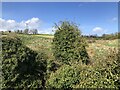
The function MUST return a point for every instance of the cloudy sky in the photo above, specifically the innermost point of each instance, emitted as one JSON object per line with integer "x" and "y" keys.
{"x": 94, "y": 17}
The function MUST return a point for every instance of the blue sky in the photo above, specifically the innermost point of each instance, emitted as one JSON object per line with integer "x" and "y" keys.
{"x": 93, "y": 17}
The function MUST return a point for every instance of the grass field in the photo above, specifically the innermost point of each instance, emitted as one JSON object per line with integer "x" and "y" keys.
{"x": 43, "y": 42}
{"x": 97, "y": 51}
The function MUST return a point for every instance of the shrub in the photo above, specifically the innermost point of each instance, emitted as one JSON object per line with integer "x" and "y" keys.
{"x": 65, "y": 77}
{"x": 21, "y": 67}
{"x": 52, "y": 65}
{"x": 68, "y": 44}
{"x": 104, "y": 74}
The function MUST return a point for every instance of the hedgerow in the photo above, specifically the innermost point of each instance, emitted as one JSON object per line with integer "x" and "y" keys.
{"x": 104, "y": 74}
{"x": 65, "y": 77}
{"x": 22, "y": 67}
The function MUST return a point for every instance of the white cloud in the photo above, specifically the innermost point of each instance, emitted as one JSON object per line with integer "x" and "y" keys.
{"x": 7, "y": 24}
{"x": 98, "y": 30}
{"x": 33, "y": 23}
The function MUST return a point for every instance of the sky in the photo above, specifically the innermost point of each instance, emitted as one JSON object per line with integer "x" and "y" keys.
{"x": 92, "y": 17}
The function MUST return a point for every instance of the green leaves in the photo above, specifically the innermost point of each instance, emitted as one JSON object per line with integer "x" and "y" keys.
{"x": 68, "y": 44}
{"x": 65, "y": 77}
{"x": 22, "y": 67}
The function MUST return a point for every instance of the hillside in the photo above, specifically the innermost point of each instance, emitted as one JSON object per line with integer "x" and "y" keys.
{"x": 43, "y": 42}
{"x": 102, "y": 54}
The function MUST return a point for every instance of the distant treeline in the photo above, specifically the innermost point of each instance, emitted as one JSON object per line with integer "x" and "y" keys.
{"x": 104, "y": 36}
{"x": 26, "y": 31}
{"x": 89, "y": 37}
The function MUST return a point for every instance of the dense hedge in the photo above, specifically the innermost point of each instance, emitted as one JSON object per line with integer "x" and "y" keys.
{"x": 65, "y": 77}
{"x": 22, "y": 67}
{"x": 104, "y": 74}
{"x": 68, "y": 45}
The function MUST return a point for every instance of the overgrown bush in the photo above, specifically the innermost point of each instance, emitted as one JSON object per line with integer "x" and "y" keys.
{"x": 105, "y": 72}
{"x": 22, "y": 67}
{"x": 68, "y": 45}
{"x": 65, "y": 77}
{"x": 52, "y": 66}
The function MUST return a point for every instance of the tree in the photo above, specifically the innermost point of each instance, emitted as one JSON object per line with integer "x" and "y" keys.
{"x": 26, "y": 31}
{"x": 34, "y": 31}
{"x": 9, "y": 31}
{"x": 19, "y": 31}
{"x": 68, "y": 45}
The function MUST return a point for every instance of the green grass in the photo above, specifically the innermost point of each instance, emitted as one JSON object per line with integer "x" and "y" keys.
{"x": 43, "y": 42}
{"x": 34, "y": 40}
{"x": 111, "y": 43}
{"x": 38, "y": 43}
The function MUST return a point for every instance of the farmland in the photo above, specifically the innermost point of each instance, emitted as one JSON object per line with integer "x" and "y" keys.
{"x": 38, "y": 42}
{"x": 102, "y": 54}
{"x": 60, "y": 45}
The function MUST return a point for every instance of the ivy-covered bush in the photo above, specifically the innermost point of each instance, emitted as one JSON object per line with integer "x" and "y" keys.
{"x": 22, "y": 67}
{"x": 68, "y": 45}
{"x": 65, "y": 77}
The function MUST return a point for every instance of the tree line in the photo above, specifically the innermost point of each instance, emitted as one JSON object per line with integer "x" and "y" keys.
{"x": 26, "y": 31}
{"x": 89, "y": 37}
{"x": 104, "y": 36}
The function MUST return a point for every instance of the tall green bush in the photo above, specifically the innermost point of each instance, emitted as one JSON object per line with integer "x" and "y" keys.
{"x": 22, "y": 67}
{"x": 68, "y": 45}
